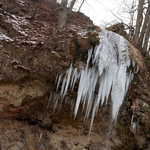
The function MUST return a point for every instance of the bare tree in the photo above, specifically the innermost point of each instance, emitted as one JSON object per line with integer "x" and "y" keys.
{"x": 63, "y": 14}
{"x": 139, "y": 31}
{"x": 64, "y": 11}
{"x": 142, "y": 32}
{"x": 71, "y": 6}
{"x": 81, "y": 5}
{"x": 146, "y": 40}
{"x": 138, "y": 21}
{"x": 131, "y": 23}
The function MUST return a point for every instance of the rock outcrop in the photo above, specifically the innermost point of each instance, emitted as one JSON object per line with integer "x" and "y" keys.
{"x": 32, "y": 52}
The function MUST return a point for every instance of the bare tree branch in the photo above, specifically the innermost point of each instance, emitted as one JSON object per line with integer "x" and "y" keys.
{"x": 71, "y": 6}
{"x": 81, "y": 5}
{"x": 116, "y": 16}
{"x": 144, "y": 26}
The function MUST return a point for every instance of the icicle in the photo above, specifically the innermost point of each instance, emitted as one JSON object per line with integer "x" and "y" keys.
{"x": 40, "y": 143}
{"x": 69, "y": 71}
{"x": 133, "y": 125}
{"x": 132, "y": 119}
{"x": 109, "y": 72}
{"x": 75, "y": 76}
{"x": 40, "y": 138}
{"x": 56, "y": 98}
{"x": 59, "y": 79}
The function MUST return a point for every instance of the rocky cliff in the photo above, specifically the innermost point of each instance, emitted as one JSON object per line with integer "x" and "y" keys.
{"x": 32, "y": 52}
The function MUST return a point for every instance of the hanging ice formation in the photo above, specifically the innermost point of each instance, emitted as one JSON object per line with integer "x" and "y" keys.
{"x": 110, "y": 73}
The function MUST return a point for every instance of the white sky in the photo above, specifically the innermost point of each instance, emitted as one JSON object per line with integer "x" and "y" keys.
{"x": 100, "y": 10}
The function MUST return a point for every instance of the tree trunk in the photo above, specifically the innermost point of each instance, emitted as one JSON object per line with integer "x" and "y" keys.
{"x": 81, "y": 5}
{"x": 147, "y": 35}
{"x": 63, "y": 14}
{"x": 138, "y": 21}
{"x": 71, "y": 6}
{"x": 144, "y": 26}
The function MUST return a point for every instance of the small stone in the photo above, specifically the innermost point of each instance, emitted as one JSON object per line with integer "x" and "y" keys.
{"x": 74, "y": 148}
{"x": 76, "y": 143}
{"x": 117, "y": 142}
{"x": 81, "y": 145}
{"x": 54, "y": 128}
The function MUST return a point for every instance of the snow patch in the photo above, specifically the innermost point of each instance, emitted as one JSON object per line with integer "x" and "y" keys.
{"x": 3, "y": 37}
{"x": 17, "y": 22}
{"x": 21, "y": 2}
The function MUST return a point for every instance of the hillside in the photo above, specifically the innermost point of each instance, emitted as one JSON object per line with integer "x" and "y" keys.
{"x": 33, "y": 51}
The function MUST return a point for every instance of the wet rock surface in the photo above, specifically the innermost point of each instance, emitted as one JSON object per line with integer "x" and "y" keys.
{"x": 32, "y": 53}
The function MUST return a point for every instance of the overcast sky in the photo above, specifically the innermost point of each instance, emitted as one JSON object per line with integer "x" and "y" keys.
{"x": 104, "y": 11}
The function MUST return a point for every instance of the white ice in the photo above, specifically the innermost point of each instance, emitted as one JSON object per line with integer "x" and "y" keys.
{"x": 109, "y": 75}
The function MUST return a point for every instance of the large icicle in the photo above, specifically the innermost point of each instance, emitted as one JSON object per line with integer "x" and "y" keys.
{"x": 109, "y": 75}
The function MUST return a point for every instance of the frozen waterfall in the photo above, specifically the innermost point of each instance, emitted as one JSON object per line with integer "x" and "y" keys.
{"x": 107, "y": 71}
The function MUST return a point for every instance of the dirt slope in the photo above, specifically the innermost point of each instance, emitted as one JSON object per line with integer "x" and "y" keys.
{"x": 32, "y": 52}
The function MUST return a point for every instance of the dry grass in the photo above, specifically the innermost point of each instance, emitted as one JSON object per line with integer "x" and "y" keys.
{"x": 137, "y": 56}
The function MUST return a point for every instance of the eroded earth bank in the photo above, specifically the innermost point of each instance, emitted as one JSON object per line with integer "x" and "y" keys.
{"x": 32, "y": 52}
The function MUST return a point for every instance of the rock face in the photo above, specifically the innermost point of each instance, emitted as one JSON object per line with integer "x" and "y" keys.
{"x": 20, "y": 8}
{"x": 117, "y": 28}
{"x": 32, "y": 53}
